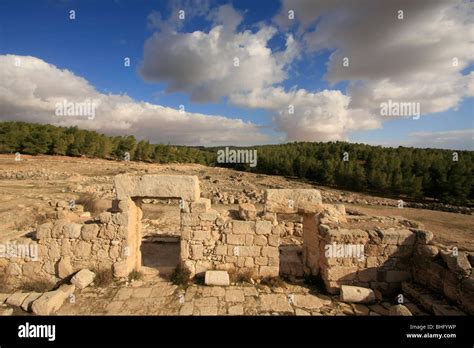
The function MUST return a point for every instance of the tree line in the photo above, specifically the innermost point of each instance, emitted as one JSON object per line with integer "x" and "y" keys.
{"x": 445, "y": 175}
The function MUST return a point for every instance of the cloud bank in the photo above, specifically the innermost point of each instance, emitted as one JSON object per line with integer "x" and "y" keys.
{"x": 30, "y": 89}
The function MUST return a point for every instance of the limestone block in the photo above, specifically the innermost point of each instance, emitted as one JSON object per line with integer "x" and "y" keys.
{"x": 270, "y": 251}
{"x": 263, "y": 227}
{"x": 292, "y": 201}
{"x": 105, "y": 217}
{"x": 274, "y": 240}
{"x": 399, "y": 310}
{"x": 247, "y": 211}
{"x": 51, "y": 301}
{"x": 83, "y": 278}
{"x": 208, "y": 216}
{"x": 17, "y": 298}
{"x": 249, "y": 251}
{"x": 218, "y": 278}
{"x": 64, "y": 267}
{"x": 243, "y": 227}
{"x": 201, "y": 235}
{"x": 356, "y": 294}
{"x": 83, "y": 249}
{"x": 248, "y": 239}
{"x": 221, "y": 250}
{"x": 161, "y": 186}
{"x": 44, "y": 231}
{"x": 72, "y": 230}
{"x": 341, "y": 273}
{"x": 197, "y": 251}
{"x": 389, "y": 236}
{"x": 261, "y": 261}
{"x": 457, "y": 262}
{"x": 28, "y": 301}
{"x": 202, "y": 205}
{"x": 260, "y": 240}
{"x": 307, "y": 301}
{"x": 121, "y": 269}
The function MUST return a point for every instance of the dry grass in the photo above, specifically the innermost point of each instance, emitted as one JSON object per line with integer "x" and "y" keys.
{"x": 241, "y": 276}
{"x": 273, "y": 282}
{"x": 180, "y": 276}
{"x": 90, "y": 202}
{"x": 103, "y": 277}
{"x": 38, "y": 285}
{"x": 135, "y": 275}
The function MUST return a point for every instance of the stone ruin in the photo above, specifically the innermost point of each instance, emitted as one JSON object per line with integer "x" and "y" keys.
{"x": 395, "y": 252}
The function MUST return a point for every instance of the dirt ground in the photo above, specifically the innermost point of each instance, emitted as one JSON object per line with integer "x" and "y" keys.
{"x": 32, "y": 187}
{"x": 449, "y": 229}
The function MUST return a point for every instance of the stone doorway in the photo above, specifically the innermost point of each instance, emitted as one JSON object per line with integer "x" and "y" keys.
{"x": 161, "y": 235}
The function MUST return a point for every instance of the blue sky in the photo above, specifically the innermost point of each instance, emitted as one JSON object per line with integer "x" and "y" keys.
{"x": 94, "y": 45}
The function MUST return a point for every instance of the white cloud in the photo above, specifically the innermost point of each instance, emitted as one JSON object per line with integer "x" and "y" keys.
{"x": 409, "y": 60}
{"x": 30, "y": 92}
{"x": 306, "y": 116}
{"x": 203, "y": 63}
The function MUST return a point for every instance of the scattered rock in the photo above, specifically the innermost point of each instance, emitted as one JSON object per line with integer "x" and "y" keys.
{"x": 356, "y": 294}
{"x": 399, "y": 310}
{"x": 17, "y": 298}
{"x": 247, "y": 211}
{"x": 83, "y": 278}
{"x": 51, "y": 301}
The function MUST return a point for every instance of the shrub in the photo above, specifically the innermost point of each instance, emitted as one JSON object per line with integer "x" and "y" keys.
{"x": 38, "y": 285}
{"x": 135, "y": 275}
{"x": 103, "y": 277}
{"x": 180, "y": 276}
{"x": 242, "y": 276}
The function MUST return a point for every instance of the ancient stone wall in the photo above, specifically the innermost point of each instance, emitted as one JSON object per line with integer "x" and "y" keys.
{"x": 210, "y": 241}
{"x": 65, "y": 247}
{"x": 443, "y": 270}
{"x": 365, "y": 251}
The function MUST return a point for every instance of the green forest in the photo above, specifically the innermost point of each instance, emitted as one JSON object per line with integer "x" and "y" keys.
{"x": 445, "y": 175}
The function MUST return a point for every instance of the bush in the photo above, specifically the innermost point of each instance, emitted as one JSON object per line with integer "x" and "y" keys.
{"x": 135, "y": 275}
{"x": 243, "y": 276}
{"x": 103, "y": 277}
{"x": 38, "y": 285}
{"x": 180, "y": 276}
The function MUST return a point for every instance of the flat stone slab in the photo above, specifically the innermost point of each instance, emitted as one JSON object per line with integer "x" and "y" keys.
{"x": 293, "y": 201}
{"x": 17, "y": 298}
{"x": 219, "y": 278}
{"x": 185, "y": 187}
{"x": 83, "y": 278}
{"x": 51, "y": 301}
{"x": 357, "y": 294}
